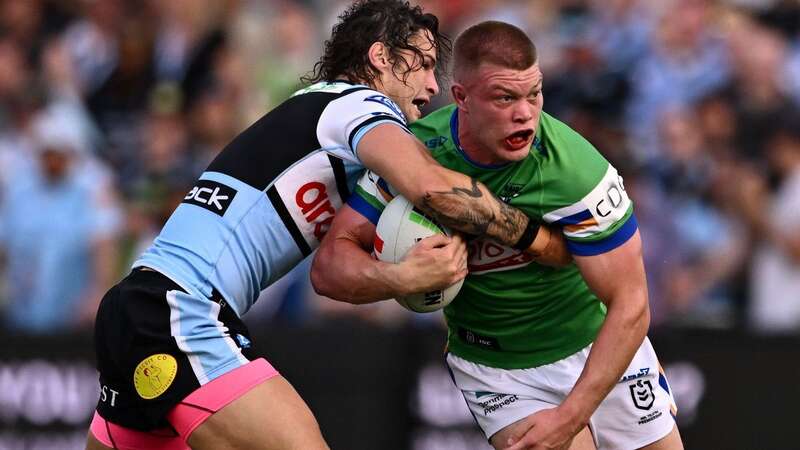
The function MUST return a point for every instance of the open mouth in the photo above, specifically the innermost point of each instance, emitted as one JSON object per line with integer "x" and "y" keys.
{"x": 519, "y": 139}
{"x": 419, "y": 103}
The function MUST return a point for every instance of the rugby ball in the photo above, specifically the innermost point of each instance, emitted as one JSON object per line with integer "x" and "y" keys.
{"x": 400, "y": 227}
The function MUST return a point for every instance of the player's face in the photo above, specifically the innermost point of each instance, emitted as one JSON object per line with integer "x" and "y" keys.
{"x": 413, "y": 83}
{"x": 502, "y": 109}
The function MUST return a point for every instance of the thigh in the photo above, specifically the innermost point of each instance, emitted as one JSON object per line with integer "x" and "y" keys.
{"x": 93, "y": 444}
{"x": 582, "y": 441}
{"x": 639, "y": 409}
{"x": 271, "y": 416}
{"x": 672, "y": 441}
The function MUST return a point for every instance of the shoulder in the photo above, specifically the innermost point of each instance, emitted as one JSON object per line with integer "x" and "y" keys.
{"x": 348, "y": 95}
{"x": 560, "y": 138}
{"x": 571, "y": 166}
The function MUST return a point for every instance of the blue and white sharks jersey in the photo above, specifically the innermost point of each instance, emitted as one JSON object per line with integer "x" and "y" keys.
{"x": 268, "y": 198}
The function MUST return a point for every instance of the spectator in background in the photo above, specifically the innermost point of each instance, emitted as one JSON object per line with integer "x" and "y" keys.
{"x": 57, "y": 230}
{"x": 773, "y": 220}
{"x": 212, "y": 123}
{"x": 759, "y": 95}
{"x": 164, "y": 155}
{"x": 709, "y": 243}
{"x": 19, "y": 100}
{"x": 687, "y": 60}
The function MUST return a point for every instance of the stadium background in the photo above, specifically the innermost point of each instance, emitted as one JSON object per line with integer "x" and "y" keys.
{"x": 122, "y": 103}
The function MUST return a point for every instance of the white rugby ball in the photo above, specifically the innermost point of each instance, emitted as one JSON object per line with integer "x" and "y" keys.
{"x": 400, "y": 227}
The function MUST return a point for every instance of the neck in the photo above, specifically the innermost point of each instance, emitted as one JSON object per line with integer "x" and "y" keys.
{"x": 355, "y": 80}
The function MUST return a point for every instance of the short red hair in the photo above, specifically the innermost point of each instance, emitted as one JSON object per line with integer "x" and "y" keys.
{"x": 492, "y": 42}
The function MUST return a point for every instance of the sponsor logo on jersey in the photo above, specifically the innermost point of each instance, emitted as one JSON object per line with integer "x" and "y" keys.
{"x": 386, "y": 101}
{"x": 154, "y": 375}
{"x": 642, "y": 394}
{"x": 489, "y": 256}
{"x": 314, "y": 203}
{"x": 472, "y": 338}
{"x": 311, "y": 196}
{"x": 615, "y": 196}
{"x": 597, "y": 211}
{"x": 436, "y": 142}
{"x": 210, "y": 195}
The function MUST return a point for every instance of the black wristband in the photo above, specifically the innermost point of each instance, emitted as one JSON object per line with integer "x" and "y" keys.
{"x": 528, "y": 236}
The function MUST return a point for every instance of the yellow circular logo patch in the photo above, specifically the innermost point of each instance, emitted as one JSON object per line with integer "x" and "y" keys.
{"x": 154, "y": 375}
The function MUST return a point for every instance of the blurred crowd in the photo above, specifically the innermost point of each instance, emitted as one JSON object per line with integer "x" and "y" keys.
{"x": 109, "y": 109}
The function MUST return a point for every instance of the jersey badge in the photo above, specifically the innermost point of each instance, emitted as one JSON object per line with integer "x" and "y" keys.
{"x": 154, "y": 375}
{"x": 510, "y": 191}
{"x": 387, "y": 102}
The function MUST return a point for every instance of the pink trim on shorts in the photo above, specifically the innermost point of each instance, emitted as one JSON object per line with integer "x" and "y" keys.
{"x": 219, "y": 392}
{"x": 189, "y": 413}
{"x": 122, "y": 438}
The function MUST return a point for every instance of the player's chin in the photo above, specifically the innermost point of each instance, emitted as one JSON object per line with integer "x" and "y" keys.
{"x": 413, "y": 114}
{"x": 514, "y": 155}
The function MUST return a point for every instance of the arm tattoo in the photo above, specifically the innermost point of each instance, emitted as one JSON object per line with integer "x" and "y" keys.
{"x": 476, "y": 211}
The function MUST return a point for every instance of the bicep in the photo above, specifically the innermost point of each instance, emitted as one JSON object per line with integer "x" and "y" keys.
{"x": 616, "y": 271}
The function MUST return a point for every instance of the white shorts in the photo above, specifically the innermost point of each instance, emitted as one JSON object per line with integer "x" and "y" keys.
{"x": 638, "y": 411}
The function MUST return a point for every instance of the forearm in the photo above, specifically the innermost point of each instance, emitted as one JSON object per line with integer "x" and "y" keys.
{"x": 362, "y": 279}
{"x": 621, "y": 335}
{"x": 454, "y": 199}
{"x": 473, "y": 209}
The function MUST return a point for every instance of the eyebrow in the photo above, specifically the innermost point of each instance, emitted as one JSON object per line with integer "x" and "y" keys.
{"x": 503, "y": 89}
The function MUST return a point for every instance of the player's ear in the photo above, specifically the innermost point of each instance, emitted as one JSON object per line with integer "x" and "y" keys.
{"x": 379, "y": 56}
{"x": 459, "y": 96}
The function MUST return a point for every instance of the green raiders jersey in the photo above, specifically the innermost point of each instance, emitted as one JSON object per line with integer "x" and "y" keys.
{"x": 512, "y": 313}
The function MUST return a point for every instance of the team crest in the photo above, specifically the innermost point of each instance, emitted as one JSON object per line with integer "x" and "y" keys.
{"x": 510, "y": 191}
{"x": 642, "y": 394}
{"x": 154, "y": 375}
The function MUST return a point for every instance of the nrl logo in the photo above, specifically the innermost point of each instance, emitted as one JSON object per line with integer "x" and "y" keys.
{"x": 642, "y": 394}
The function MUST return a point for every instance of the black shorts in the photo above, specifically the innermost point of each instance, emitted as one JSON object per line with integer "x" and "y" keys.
{"x": 156, "y": 343}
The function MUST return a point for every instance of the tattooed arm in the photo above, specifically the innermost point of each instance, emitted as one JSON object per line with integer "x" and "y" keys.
{"x": 475, "y": 211}
{"x": 455, "y": 199}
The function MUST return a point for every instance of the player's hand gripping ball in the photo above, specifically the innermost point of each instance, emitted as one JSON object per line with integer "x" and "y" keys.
{"x": 400, "y": 227}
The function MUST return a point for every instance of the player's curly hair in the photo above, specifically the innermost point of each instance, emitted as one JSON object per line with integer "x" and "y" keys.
{"x": 392, "y": 22}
